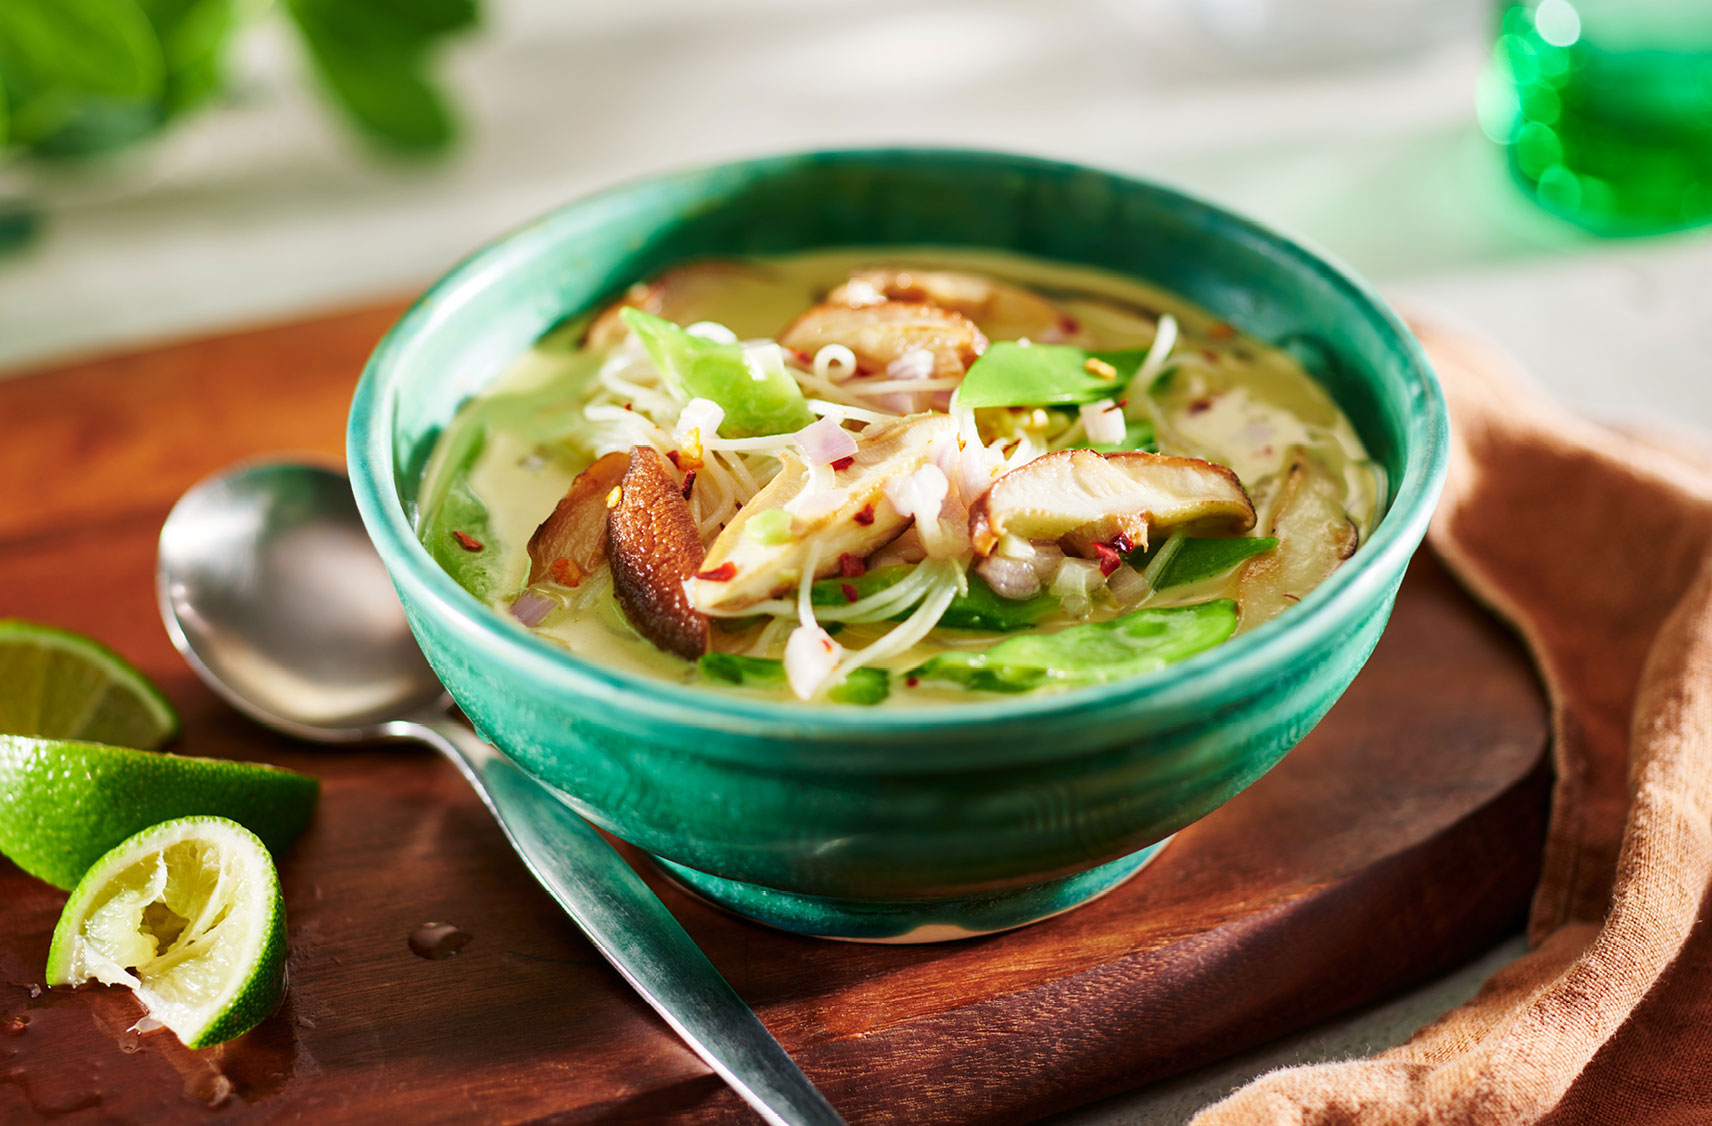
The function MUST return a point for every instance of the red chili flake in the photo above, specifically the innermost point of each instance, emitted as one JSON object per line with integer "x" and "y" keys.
{"x": 851, "y": 566}
{"x": 866, "y": 516}
{"x": 1220, "y": 330}
{"x": 672, "y": 456}
{"x": 844, "y": 463}
{"x": 802, "y": 357}
{"x": 689, "y": 483}
{"x": 1110, "y": 560}
{"x": 1294, "y": 597}
{"x": 723, "y": 573}
{"x": 1121, "y": 403}
{"x": 1209, "y": 355}
{"x": 1068, "y": 324}
{"x": 851, "y": 594}
{"x": 1265, "y": 451}
{"x": 628, "y": 407}
{"x": 467, "y": 541}
{"x": 1205, "y": 402}
{"x": 566, "y": 572}
{"x": 1123, "y": 543}
{"x": 912, "y": 681}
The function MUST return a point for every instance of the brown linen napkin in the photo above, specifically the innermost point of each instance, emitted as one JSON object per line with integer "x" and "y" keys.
{"x": 1594, "y": 545}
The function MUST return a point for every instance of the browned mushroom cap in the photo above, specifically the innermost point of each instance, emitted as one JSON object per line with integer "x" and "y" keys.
{"x": 571, "y": 542}
{"x": 1087, "y": 498}
{"x": 1315, "y": 535}
{"x": 742, "y": 569}
{"x": 879, "y": 334}
{"x": 680, "y": 294}
{"x": 1002, "y": 310}
{"x": 654, "y": 546}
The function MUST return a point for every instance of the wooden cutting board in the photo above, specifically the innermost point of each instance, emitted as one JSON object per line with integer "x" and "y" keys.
{"x": 1400, "y": 838}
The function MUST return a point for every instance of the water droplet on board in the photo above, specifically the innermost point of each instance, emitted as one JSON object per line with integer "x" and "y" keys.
{"x": 436, "y": 941}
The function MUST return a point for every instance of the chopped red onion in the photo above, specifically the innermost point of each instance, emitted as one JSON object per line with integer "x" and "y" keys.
{"x": 532, "y": 607}
{"x": 1009, "y": 578}
{"x": 825, "y": 442}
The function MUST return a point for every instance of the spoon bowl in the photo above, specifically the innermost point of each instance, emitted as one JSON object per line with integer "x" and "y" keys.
{"x": 270, "y": 588}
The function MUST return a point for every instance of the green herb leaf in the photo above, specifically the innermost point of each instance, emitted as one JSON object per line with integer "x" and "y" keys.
{"x": 65, "y": 59}
{"x": 458, "y": 510}
{"x": 1140, "y": 641}
{"x": 1009, "y": 374}
{"x": 1198, "y": 559}
{"x": 703, "y": 369}
{"x": 980, "y": 609}
{"x": 866, "y": 686}
{"x": 374, "y": 55}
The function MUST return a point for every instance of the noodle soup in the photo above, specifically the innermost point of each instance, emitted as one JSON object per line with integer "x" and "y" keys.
{"x": 903, "y": 478}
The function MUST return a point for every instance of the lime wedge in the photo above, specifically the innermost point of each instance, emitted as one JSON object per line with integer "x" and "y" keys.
{"x": 63, "y": 685}
{"x": 64, "y": 804}
{"x": 188, "y": 914}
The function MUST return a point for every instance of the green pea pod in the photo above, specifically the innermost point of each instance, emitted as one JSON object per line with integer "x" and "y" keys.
{"x": 980, "y": 609}
{"x": 1009, "y": 374}
{"x": 755, "y": 404}
{"x": 1198, "y": 559}
{"x": 1140, "y": 641}
{"x": 863, "y": 686}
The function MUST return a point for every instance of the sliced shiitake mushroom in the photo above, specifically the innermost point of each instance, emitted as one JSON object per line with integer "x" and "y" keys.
{"x": 654, "y": 547}
{"x": 1315, "y": 535}
{"x": 571, "y": 542}
{"x": 1083, "y": 498}
{"x": 1002, "y": 310}
{"x": 680, "y": 294}
{"x": 856, "y": 519}
{"x": 879, "y": 334}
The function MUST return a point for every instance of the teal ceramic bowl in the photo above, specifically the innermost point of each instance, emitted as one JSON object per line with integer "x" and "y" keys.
{"x": 912, "y": 824}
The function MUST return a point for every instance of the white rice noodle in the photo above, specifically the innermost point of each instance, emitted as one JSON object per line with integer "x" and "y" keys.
{"x": 845, "y": 413}
{"x": 834, "y": 363}
{"x": 946, "y": 576}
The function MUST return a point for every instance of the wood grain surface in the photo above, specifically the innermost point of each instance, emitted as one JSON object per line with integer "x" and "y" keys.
{"x": 1401, "y": 837}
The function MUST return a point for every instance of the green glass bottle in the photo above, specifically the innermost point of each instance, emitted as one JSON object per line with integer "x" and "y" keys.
{"x": 1605, "y": 107}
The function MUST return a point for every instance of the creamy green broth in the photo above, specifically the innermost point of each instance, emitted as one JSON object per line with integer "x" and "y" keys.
{"x": 1222, "y": 396}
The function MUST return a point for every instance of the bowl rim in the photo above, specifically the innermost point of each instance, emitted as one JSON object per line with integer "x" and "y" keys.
{"x": 1249, "y": 657}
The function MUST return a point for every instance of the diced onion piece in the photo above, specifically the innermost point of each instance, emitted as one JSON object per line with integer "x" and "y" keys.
{"x": 1013, "y": 546}
{"x": 920, "y": 494}
{"x": 1075, "y": 584}
{"x": 532, "y": 607}
{"x": 703, "y": 415}
{"x": 917, "y": 363}
{"x": 811, "y": 657}
{"x": 1127, "y": 585}
{"x": 1103, "y": 421}
{"x": 1009, "y": 578}
{"x": 825, "y": 441}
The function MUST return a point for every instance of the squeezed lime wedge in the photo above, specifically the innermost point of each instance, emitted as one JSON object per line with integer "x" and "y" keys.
{"x": 189, "y": 915}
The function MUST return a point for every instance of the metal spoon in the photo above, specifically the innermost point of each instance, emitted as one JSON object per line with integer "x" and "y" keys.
{"x": 271, "y": 590}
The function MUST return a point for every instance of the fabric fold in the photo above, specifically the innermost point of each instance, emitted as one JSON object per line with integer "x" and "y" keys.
{"x": 1593, "y": 544}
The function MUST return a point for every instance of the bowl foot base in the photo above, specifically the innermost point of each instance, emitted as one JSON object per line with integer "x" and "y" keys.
{"x": 909, "y": 920}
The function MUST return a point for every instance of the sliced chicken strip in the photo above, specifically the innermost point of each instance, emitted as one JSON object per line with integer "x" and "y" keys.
{"x": 833, "y": 513}
{"x": 1002, "y": 311}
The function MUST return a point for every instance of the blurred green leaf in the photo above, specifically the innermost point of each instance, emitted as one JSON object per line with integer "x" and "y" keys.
{"x": 374, "y": 56}
{"x": 61, "y": 58}
{"x": 193, "y": 36}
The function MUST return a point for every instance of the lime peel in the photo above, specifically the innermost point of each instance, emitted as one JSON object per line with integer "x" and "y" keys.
{"x": 64, "y": 804}
{"x": 189, "y": 915}
{"x": 63, "y": 685}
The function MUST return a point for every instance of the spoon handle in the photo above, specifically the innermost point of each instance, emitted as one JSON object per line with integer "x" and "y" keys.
{"x": 632, "y": 929}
